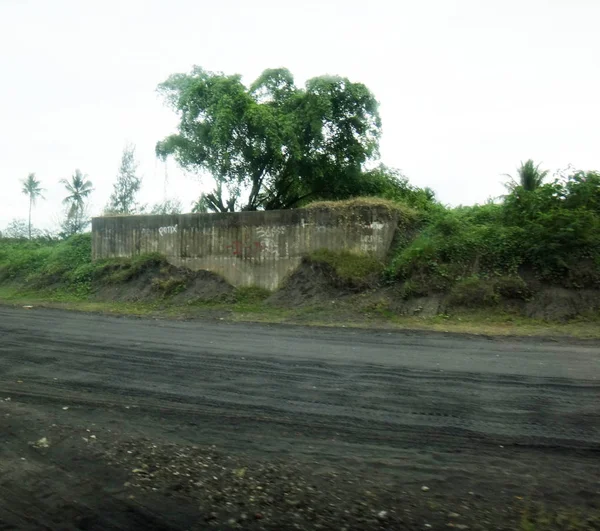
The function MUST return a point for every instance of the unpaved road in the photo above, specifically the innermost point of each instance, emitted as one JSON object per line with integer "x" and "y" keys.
{"x": 154, "y": 424}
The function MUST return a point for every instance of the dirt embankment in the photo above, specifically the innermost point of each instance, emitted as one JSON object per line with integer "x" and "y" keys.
{"x": 317, "y": 284}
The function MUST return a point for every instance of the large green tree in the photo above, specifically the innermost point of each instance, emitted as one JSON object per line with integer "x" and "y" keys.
{"x": 33, "y": 189}
{"x": 123, "y": 199}
{"x": 272, "y": 145}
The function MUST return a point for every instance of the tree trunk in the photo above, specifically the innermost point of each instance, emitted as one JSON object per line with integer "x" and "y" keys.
{"x": 30, "y": 203}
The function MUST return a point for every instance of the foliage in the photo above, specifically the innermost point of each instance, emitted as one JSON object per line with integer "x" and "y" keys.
{"x": 354, "y": 269}
{"x": 552, "y": 231}
{"x": 390, "y": 183}
{"x": 77, "y": 216}
{"x": 250, "y": 295}
{"x": 202, "y": 206}
{"x": 473, "y": 292}
{"x": 168, "y": 206}
{"x": 19, "y": 229}
{"x": 530, "y": 177}
{"x": 42, "y": 264}
{"x": 74, "y": 221}
{"x": 33, "y": 189}
{"x": 272, "y": 145}
{"x": 169, "y": 286}
{"x": 123, "y": 199}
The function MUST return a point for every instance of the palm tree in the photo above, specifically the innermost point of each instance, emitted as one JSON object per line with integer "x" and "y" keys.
{"x": 79, "y": 188}
{"x": 530, "y": 177}
{"x": 32, "y": 188}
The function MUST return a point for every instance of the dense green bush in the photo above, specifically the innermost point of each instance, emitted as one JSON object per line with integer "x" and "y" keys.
{"x": 553, "y": 231}
{"x": 66, "y": 265}
{"x": 42, "y": 264}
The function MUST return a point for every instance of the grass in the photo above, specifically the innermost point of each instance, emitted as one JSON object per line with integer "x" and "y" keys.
{"x": 61, "y": 275}
{"x": 355, "y": 269}
{"x": 538, "y": 518}
{"x": 248, "y": 305}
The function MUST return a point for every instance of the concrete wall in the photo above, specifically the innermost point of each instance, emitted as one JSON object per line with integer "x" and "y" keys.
{"x": 246, "y": 248}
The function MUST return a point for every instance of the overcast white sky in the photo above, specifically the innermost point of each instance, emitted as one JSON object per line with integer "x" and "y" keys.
{"x": 468, "y": 88}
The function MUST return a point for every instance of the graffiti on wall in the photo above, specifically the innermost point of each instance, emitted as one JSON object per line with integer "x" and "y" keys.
{"x": 167, "y": 230}
{"x": 264, "y": 243}
{"x": 246, "y": 248}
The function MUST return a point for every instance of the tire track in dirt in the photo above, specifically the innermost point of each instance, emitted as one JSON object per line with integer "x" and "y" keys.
{"x": 389, "y": 400}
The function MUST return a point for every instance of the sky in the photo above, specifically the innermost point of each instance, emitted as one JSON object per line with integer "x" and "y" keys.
{"x": 467, "y": 88}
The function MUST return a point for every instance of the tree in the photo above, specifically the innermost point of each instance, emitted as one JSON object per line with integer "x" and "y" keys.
{"x": 74, "y": 221}
{"x": 390, "y": 183}
{"x": 33, "y": 189}
{"x": 17, "y": 229}
{"x": 201, "y": 206}
{"x": 168, "y": 206}
{"x": 128, "y": 184}
{"x": 79, "y": 189}
{"x": 530, "y": 177}
{"x": 271, "y": 145}
{"x": 76, "y": 218}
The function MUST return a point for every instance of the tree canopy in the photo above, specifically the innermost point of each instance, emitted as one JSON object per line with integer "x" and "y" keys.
{"x": 33, "y": 189}
{"x": 123, "y": 199}
{"x": 272, "y": 145}
{"x": 530, "y": 177}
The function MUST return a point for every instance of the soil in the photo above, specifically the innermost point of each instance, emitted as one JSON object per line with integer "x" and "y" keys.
{"x": 314, "y": 284}
{"x": 560, "y": 304}
{"x": 182, "y": 285}
{"x": 109, "y": 423}
{"x": 311, "y": 283}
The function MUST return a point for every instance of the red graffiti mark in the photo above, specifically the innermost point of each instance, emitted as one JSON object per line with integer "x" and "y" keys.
{"x": 246, "y": 248}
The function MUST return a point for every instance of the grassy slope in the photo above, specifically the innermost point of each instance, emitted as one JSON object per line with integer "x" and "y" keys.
{"x": 61, "y": 274}
{"x": 471, "y": 322}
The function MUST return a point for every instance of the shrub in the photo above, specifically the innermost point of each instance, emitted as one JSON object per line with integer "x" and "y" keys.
{"x": 250, "y": 295}
{"x": 169, "y": 286}
{"x": 512, "y": 287}
{"x": 473, "y": 292}
{"x": 353, "y": 269}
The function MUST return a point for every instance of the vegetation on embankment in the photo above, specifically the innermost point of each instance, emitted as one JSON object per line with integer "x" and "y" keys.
{"x": 533, "y": 256}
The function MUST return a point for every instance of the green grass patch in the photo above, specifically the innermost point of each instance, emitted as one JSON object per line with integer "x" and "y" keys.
{"x": 355, "y": 269}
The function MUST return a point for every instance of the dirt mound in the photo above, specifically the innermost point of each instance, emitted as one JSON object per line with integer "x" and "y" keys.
{"x": 560, "y": 304}
{"x": 159, "y": 279}
{"x": 136, "y": 289}
{"x": 311, "y": 283}
{"x": 204, "y": 286}
{"x": 429, "y": 306}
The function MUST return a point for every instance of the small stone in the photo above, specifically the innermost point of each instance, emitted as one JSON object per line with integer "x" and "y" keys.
{"x": 65, "y": 408}
{"x": 424, "y": 488}
{"x": 258, "y": 516}
{"x": 92, "y": 436}
{"x": 382, "y": 515}
{"x": 42, "y": 443}
{"x": 454, "y": 515}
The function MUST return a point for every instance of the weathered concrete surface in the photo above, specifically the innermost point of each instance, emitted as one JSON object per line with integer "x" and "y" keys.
{"x": 246, "y": 248}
